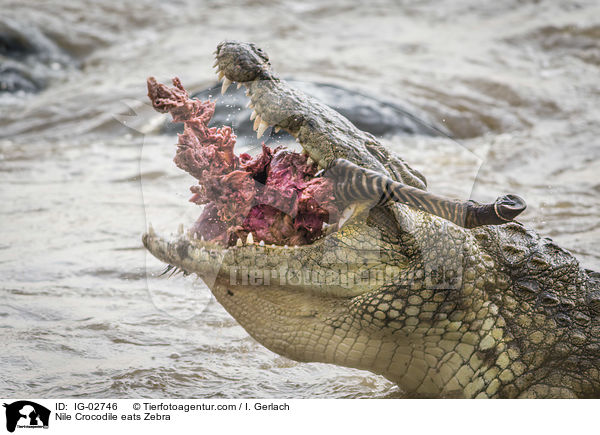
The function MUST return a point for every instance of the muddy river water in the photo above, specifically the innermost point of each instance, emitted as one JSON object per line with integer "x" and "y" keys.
{"x": 84, "y": 166}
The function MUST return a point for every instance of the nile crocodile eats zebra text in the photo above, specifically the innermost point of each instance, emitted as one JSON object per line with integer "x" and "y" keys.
{"x": 362, "y": 267}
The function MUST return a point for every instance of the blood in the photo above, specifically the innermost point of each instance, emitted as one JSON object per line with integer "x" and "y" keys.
{"x": 274, "y": 195}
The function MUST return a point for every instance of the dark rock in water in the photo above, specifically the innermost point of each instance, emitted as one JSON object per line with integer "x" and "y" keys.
{"x": 28, "y": 58}
{"x": 14, "y": 44}
{"x": 13, "y": 78}
{"x": 375, "y": 115}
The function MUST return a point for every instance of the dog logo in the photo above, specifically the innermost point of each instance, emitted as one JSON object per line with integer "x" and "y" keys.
{"x": 26, "y": 414}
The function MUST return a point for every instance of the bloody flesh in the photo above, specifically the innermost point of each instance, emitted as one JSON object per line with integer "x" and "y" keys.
{"x": 273, "y": 195}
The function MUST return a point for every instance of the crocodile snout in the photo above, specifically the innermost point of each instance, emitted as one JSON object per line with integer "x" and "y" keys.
{"x": 242, "y": 61}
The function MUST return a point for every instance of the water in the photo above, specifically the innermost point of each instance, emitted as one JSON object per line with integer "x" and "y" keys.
{"x": 515, "y": 82}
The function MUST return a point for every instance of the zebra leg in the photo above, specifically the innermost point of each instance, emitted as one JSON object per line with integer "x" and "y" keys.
{"x": 356, "y": 184}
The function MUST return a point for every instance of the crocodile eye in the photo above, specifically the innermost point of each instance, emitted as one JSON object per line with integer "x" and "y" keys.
{"x": 528, "y": 289}
{"x": 567, "y": 304}
{"x": 593, "y": 301}
{"x": 562, "y": 319}
{"x": 549, "y": 299}
{"x": 580, "y": 318}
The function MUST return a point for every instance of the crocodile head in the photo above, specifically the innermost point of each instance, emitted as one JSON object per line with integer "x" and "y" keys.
{"x": 390, "y": 289}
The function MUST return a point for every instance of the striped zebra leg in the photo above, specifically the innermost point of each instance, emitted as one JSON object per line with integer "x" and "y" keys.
{"x": 354, "y": 184}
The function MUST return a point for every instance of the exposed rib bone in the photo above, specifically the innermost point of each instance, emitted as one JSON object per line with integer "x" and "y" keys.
{"x": 346, "y": 214}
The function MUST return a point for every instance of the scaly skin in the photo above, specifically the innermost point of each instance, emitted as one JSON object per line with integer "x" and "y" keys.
{"x": 439, "y": 309}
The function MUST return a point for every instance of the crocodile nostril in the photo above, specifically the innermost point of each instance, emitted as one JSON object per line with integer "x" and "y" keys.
{"x": 242, "y": 62}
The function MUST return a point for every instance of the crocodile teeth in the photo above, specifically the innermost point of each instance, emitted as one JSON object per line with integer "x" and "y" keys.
{"x": 239, "y": 242}
{"x": 253, "y": 115}
{"x": 226, "y": 83}
{"x": 262, "y": 243}
{"x": 221, "y": 75}
{"x": 239, "y": 85}
{"x": 277, "y": 129}
{"x": 261, "y": 129}
{"x": 346, "y": 214}
{"x": 310, "y": 161}
{"x": 257, "y": 122}
{"x": 151, "y": 231}
{"x": 180, "y": 229}
{"x": 249, "y": 104}
{"x": 328, "y": 229}
{"x": 216, "y": 64}
{"x": 250, "y": 239}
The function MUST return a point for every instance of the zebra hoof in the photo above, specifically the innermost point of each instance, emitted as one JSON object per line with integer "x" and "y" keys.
{"x": 508, "y": 207}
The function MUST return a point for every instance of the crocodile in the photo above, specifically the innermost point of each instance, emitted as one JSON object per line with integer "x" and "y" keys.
{"x": 493, "y": 311}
